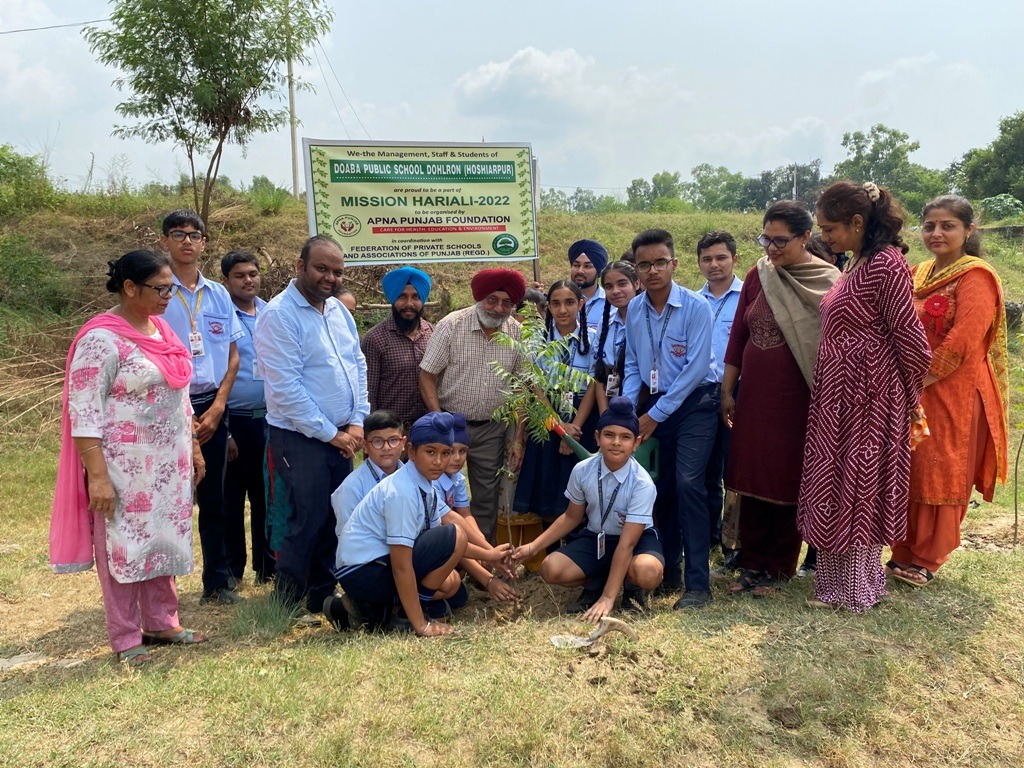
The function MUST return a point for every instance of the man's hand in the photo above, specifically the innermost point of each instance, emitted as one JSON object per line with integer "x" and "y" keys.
{"x": 600, "y": 609}
{"x": 207, "y": 424}
{"x": 647, "y": 427}
{"x": 346, "y": 443}
{"x": 515, "y": 456}
{"x": 232, "y": 449}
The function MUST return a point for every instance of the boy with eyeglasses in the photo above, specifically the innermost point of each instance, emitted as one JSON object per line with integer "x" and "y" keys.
{"x": 383, "y": 441}
{"x": 202, "y": 315}
{"x": 668, "y": 375}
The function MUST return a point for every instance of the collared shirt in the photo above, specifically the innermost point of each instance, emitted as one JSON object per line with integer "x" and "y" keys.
{"x": 216, "y": 322}
{"x": 453, "y": 489}
{"x": 723, "y": 310}
{"x": 634, "y": 502}
{"x": 393, "y": 513}
{"x": 684, "y": 361}
{"x": 614, "y": 340}
{"x": 595, "y": 308}
{"x": 314, "y": 372}
{"x": 247, "y": 392}
{"x": 460, "y": 354}
{"x": 576, "y": 358}
{"x": 353, "y": 489}
{"x": 393, "y": 368}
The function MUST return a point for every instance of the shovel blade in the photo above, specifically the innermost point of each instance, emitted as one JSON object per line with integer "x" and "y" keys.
{"x": 570, "y": 641}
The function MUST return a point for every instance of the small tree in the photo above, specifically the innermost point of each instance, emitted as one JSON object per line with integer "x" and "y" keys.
{"x": 199, "y": 71}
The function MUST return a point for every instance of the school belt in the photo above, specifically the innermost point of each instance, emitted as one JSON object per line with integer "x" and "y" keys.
{"x": 203, "y": 398}
{"x": 248, "y": 413}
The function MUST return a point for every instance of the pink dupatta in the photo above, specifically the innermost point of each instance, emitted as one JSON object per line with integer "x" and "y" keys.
{"x": 70, "y": 520}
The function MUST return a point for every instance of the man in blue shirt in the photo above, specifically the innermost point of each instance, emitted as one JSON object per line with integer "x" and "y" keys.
{"x": 587, "y": 260}
{"x": 716, "y": 258}
{"x": 307, "y": 350}
{"x": 203, "y": 318}
{"x": 668, "y": 375}
{"x": 247, "y": 442}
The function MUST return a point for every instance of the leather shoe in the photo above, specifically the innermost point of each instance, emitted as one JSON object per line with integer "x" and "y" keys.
{"x": 696, "y": 598}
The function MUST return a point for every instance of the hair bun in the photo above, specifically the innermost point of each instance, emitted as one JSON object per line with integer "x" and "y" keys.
{"x": 112, "y": 267}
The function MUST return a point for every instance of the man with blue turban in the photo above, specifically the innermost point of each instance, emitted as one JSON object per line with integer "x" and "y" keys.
{"x": 394, "y": 347}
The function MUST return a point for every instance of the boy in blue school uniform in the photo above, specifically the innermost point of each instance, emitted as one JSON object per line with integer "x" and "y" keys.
{"x": 619, "y": 546}
{"x": 402, "y": 541}
{"x": 383, "y": 441}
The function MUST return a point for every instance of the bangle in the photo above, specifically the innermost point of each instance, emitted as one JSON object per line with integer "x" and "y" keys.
{"x": 90, "y": 448}
{"x": 488, "y": 584}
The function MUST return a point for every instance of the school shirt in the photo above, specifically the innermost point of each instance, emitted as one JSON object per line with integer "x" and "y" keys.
{"x": 614, "y": 341}
{"x": 634, "y": 502}
{"x": 595, "y": 309}
{"x": 353, "y": 489}
{"x": 247, "y": 391}
{"x": 684, "y": 357}
{"x": 723, "y": 310}
{"x": 576, "y": 359}
{"x": 393, "y": 513}
{"x": 215, "y": 320}
{"x": 453, "y": 489}
{"x": 313, "y": 369}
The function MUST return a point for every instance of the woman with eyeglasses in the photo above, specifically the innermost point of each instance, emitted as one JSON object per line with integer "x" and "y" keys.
{"x": 871, "y": 367}
{"x": 129, "y": 461}
{"x": 773, "y": 345}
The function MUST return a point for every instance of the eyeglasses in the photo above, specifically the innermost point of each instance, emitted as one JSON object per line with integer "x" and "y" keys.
{"x": 179, "y": 235}
{"x": 779, "y": 242}
{"x": 494, "y": 301}
{"x": 164, "y": 291}
{"x": 380, "y": 442}
{"x": 658, "y": 266}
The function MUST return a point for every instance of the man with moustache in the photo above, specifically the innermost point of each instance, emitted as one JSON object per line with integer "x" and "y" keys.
{"x": 307, "y": 350}
{"x": 587, "y": 260}
{"x": 456, "y": 376}
{"x": 394, "y": 347}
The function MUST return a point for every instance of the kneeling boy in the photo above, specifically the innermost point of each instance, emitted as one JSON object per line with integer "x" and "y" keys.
{"x": 402, "y": 540}
{"x": 619, "y": 543}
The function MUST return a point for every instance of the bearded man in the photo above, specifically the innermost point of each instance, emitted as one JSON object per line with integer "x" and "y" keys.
{"x": 394, "y": 347}
{"x": 456, "y": 376}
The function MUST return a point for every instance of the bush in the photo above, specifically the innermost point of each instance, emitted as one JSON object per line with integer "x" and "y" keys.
{"x": 24, "y": 185}
{"x": 29, "y": 280}
{"x": 1001, "y": 207}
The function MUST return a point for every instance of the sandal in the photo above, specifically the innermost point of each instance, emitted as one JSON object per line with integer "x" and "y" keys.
{"x": 892, "y": 566}
{"x": 918, "y": 570}
{"x": 185, "y": 637}
{"x": 746, "y": 581}
{"x": 767, "y": 585}
{"x": 135, "y": 657}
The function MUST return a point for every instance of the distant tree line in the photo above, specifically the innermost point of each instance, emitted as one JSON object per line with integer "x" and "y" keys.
{"x": 992, "y": 176}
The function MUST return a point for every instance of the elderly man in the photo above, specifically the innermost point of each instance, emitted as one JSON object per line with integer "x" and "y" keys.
{"x": 395, "y": 346}
{"x": 307, "y": 350}
{"x": 587, "y": 260}
{"x": 456, "y": 376}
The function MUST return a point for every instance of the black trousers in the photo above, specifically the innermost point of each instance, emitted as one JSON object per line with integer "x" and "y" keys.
{"x": 210, "y": 498}
{"x": 244, "y": 477}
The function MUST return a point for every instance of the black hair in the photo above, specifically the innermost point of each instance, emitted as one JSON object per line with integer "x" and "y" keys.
{"x": 549, "y": 322}
{"x": 963, "y": 210}
{"x": 137, "y": 266}
{"x": 883, "y": 218}
{"x": 181, "y": 218}
{"x": 381, "y": 420}
{"x": 794, "y": 215}
{"x": 627, "y": 255}
{"x": 234, "y": 258}
{"x": 653, "y": 237}
{"x": 536, "y": 297}
{"x": 714, "y": 237}
{"x": 316, "y": 240}
{"x": 817, "y": 246}
{"x": 602, "y": 367}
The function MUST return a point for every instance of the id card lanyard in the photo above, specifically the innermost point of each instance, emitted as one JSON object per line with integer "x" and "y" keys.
{"x": 252, "y": 337}
{"x": 568, "y": 358}
{"x": 195, "y": 338}
{"x": 428, "y": 507}
{"x": 606, "y": 510}
{"x": 656, "y": 349}
{"x": 614, "y": 381}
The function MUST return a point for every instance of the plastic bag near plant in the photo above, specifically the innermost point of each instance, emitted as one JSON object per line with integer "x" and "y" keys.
{"x": 1001, "y": 207}
{"x": 29, "y": 280}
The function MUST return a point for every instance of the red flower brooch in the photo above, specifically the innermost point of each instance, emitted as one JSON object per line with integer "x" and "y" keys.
{"x": 936, "y": 306}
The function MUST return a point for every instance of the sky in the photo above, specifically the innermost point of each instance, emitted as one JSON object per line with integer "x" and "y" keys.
{"x": 605, "y": 92}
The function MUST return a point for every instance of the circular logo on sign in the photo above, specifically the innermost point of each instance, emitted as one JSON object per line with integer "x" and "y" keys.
{"x": 505, "y": 245}
{"x": 347, "y": 226}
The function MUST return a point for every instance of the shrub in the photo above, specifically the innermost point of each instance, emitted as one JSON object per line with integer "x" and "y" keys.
{"x": 24, "y": 185}
{"x": 1000, "y": 207}
{"x": 29, "y": 280}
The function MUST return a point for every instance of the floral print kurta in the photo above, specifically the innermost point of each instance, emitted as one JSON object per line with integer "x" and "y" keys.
{"x": 116, "y": 394}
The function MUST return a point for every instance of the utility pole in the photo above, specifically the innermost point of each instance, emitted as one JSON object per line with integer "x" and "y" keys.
{"x": 794, "y": 181}
{"x": 293, "y": 123}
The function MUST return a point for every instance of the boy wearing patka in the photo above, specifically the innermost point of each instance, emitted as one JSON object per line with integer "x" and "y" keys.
{"x": 619, "y": 546}
{"x": 403, "y": 541}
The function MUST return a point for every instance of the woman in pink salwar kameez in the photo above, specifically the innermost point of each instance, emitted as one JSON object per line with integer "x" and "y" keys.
{"x": 129, "y": 460}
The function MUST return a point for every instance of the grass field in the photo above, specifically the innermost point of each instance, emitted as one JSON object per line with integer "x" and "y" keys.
{"x": 932, "y": 677}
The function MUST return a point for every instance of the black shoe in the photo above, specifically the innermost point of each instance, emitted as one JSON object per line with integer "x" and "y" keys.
{"x": 438, "y": 610}
{"x": 696, "y": 598}
{"x": 635, "y": 601}
{"x": 668, "y": 587}
{"x": 732, "y": 560}
{"x": 585, "y": 600}
{"x": 222, "y": 596}
{"x": 336, "y": 612}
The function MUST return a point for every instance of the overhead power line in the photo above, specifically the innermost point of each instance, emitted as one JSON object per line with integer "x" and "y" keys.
{"x": 329, "y": 93}
{"x": 52, "y": 26}
{"x": 342, "y": 87}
